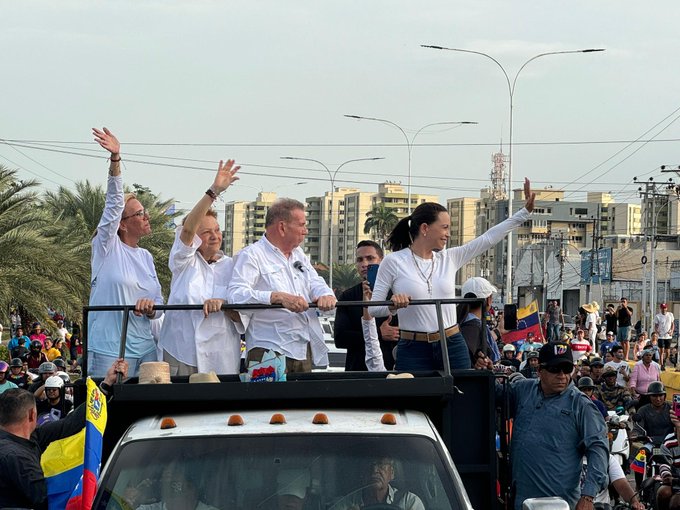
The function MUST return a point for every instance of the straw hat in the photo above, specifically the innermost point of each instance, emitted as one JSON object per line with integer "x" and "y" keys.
{"x": 154, "y": 372}
{"x": 210, "y": 377}
{"x": 591, "y": 307}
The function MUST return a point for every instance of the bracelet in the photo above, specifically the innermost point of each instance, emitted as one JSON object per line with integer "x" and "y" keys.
{"x": 211, "y": 194}
{"x": 115, "y": 160}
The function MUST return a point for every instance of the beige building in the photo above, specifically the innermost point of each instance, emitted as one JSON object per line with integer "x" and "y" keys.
{"x": 350, "y": 207}
{"x": 244, "y": 222}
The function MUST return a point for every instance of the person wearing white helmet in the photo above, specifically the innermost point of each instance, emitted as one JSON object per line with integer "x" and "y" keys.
{"x": 55, "y": 406}
{"x": 473, "y": 326}
{"x": 509, "y": 358}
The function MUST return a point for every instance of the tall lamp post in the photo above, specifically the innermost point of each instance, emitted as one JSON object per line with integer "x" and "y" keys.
{"x": 511, "y": 93}
{"x": 331, "y": 175}
{"x": 409, "y": 141}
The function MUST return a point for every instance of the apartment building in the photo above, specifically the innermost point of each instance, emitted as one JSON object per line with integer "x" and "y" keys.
{"x": 244, "y": 222}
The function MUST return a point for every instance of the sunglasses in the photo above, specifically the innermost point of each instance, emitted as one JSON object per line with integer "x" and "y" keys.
{"x": 564, "y": 369}
{"x": 139, "y": 214}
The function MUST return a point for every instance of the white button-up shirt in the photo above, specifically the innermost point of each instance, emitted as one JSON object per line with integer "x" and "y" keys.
{"x": 210, "y": 343}
{"x": 261, "y": 269}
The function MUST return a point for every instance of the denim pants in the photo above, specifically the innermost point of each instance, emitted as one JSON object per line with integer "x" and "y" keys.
{"x": 414, "y": 356}
{"x": 554, "y": 332}
{"x": 98, "y": 364}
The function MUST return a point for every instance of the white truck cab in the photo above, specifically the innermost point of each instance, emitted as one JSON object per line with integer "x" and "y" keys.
{"x": 328, "y": 459}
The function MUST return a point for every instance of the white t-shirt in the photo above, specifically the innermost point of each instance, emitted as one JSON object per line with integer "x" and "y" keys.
{"x": 183, "y": 333}
{"x": 663, "y": 324}
{"x": 399, "y": 273}
{"x": 615, "y": 473}
{"x": 579, "y": 348}
{"x": 620, "y": 381}
{"x": 121, "y": 275}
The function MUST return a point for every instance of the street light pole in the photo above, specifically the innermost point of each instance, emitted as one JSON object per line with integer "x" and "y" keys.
{"x": 511, "y": 93}
{"x": 332, "y": 176}
{"x": 409, "y": 141}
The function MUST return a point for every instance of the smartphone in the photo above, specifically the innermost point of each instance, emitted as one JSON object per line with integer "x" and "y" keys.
{"x": 371, "y": 274}
{"x": 676, "y": 404}
{"x": 510, "y": 317}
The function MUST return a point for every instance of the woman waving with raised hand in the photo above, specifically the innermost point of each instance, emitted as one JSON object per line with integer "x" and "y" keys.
{"x": 421, "y": 267}
{"x": 201, "y": 341}
{"x": 122, "y": 274}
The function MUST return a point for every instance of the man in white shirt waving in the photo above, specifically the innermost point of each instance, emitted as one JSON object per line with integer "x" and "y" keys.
{"x": 664, "y": 326}
{"x": 275, "y": 270}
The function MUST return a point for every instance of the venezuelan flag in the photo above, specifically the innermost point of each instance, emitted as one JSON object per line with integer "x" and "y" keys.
{"x": 528, "y": 320}
{"x": 638, "y": 464}
{"x": 71, "y": 465}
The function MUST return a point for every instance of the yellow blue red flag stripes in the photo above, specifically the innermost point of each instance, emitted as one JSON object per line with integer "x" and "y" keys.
{"x": 71, "y": 465}
{"x": 528, "y": 320}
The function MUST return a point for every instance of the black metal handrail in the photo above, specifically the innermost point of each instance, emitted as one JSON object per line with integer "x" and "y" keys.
{"x": 186, "y": 307}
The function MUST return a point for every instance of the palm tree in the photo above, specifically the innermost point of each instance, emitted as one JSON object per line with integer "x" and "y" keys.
{"x": 344, "y": 277}
{"x": 35, "y": 271}
{"x": 380, "y": 221}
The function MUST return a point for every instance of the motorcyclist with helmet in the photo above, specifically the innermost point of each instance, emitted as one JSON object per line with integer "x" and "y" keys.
{"x": 587, "y": 387}
{"x": 654, "y": 419}
{"x": 55, "y": 406}
{"x": 17, "y": 375}
{"x": 35, "y": 356}
{"x": 5, "y": 384}
{"x": 509, "y": 358}
{"x": 45, "y": 370}
{"x": 611, "y": 394}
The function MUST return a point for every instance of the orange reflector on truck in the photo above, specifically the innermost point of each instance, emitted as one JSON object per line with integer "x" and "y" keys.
{"x": 277, "y": 419}
{"x": 388, "y": 419}
{"x": 168, "y": 423}
{"x": 235, "y": 420}
{"x": 320, "y": 419}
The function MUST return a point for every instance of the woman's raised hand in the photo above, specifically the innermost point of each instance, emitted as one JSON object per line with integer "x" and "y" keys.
{"x": 107, "y": 140}
{"x": 226, "y": 175}
{"x": 529, "y": 196}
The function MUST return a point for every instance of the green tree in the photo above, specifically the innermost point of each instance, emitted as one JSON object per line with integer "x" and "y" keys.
{"x": 379, "y": 222}
{"x": 35, "y": 272}
{"x": 344, "y": 277}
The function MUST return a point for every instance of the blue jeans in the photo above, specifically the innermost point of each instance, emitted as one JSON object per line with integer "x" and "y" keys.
{"x": 415, "y": 356}
{"x": 554, "y": 332}
{"x": 98, "y": 364}
{"x": 623, "y": 334}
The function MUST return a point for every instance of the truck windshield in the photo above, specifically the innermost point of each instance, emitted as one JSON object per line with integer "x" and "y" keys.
{"x": 291, "y": 472}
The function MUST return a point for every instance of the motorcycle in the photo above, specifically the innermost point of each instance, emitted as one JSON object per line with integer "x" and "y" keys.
{"x": 647, "y": 462}
{"x": 618, "y": 424}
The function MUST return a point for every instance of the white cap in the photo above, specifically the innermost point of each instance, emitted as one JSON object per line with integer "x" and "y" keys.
{"x": 509, "y": 348}
{"x": 478, "y": 286}
{"x": 292, "y": 482}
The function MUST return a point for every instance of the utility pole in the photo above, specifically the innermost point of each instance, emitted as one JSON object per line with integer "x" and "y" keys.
{"x": 649, "y": 195}
{"x": 563, "y": 254}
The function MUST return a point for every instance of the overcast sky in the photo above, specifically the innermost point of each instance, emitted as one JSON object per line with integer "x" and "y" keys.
{"x": 274, "y": 78}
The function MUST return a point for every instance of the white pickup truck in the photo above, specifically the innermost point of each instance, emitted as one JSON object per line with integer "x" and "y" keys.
{"x": 249, "y": 459}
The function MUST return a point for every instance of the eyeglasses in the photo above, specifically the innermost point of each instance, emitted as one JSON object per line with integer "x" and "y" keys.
{"x": 564, "y": 369}
{"x": 140, "y": 214}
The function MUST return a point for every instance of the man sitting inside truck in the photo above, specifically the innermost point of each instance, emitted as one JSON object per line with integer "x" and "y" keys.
{"x": 177, "y": 492}
{"x": 377, "y": 475}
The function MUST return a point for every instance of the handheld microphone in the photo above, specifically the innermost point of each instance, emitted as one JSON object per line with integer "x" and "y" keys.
{"x": 298, "y": 265}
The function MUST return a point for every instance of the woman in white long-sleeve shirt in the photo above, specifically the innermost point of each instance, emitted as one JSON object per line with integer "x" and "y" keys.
{"x": 421, "y": 267}
{"x": 201, "y": 341}
{"x": 122, "y": 274}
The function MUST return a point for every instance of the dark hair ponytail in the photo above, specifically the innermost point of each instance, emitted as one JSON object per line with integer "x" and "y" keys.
{"x": 407, "y": 229}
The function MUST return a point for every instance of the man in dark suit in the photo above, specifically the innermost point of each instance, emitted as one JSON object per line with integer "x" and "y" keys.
{"x": 348, "y": 331}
